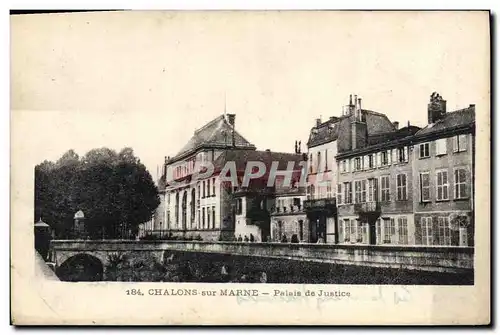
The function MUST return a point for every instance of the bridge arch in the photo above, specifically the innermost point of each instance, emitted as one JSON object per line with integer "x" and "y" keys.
{"x": 81, "y": 267}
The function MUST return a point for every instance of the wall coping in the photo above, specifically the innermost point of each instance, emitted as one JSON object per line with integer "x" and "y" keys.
{"x": 90, "y": 244}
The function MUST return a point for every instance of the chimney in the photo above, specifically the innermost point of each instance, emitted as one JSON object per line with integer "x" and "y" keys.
{"x": 268, "y": 150}
{"x": 396, "y": 124}
{"x": 318, "y": 122}
{"x": 472, "y": 106}
{"x": 359, "y": 103}
{"x": 436, "y": 109}
{"x": 350, "y": 99}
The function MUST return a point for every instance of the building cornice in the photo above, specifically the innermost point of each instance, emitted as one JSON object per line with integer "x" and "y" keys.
{"x": 410, "y": 140}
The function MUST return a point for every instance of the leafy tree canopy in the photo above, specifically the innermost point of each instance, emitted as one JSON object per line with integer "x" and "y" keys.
{"x": 114, "y": 190}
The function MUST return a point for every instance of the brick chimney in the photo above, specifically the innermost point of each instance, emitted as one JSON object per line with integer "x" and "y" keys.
{"x": 318, "y": 122}
{"x": 358, "y": 126}
{"x": 396, "y": 125}
{"x": 436, "y": 109}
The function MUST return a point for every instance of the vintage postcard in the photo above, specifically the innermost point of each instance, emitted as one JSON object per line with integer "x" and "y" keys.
{"x": 250, "y": 168}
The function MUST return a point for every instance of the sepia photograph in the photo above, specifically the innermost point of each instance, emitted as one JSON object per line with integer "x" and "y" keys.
{"x": 317, "y": 152}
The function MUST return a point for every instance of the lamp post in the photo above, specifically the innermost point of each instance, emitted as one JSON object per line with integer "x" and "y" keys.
{"x": 42, "y": 238}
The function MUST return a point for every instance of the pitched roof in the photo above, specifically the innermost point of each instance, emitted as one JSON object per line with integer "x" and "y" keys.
{"x": 241, "y": 157}
{"x": 376, "y": 123}
{"x": 216, "y": 133}
{"x": 392, "y": 135}
{"x": 452, "y": 120}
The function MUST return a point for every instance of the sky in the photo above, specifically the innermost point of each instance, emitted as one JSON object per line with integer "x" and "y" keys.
{"x": 148, "y": 79}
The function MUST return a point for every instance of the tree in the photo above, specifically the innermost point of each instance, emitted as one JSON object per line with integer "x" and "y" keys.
{"x": 114, "y": 190}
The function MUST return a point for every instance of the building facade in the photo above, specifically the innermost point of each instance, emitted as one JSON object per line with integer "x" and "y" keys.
{"x": 288, "y": 216}
{"x": 197, "y": 200}
{"x": 353, "y": 130}
{"x": 411, "y": 186}
{"x": 443, "y": 170}
{"x": 375, "y": 191}
{"x": 201, "y": 207}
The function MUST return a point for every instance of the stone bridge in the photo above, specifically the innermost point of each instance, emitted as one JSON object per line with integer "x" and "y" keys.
{"x": 100, "y": 255}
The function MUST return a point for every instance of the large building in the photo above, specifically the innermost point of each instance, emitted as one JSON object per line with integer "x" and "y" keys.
{"x": 257, "y": 203}
{"x": 353, "y": 130}
{"x": 199, "y": 207}
{"x": 443, "y": 170}
{"x": 196, "y": 203}
{"x": 411, "y": 186}
{"x": 375, "y": 190}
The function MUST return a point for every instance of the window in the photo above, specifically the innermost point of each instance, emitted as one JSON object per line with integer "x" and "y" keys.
{"x": 344, "y": 166}
{"x": 213, "y": 216}
{"x": 402, "y": 154}
{"x": 199, "y": 193}
{"x": 425, "y": 187}
{"x": 357, "y": 192}
{"x": 424, "y": 150}
{"x": 239, "y": 205}
{"x": 363, "y": 191}
{"x": 426, "y": 226}
{"x": 326, "y": 160}
{"x": 311, "y": 163}
{"x": 401, "y": 187}
{"x": 213, "y": 187}
{"x": 353, "y": 230}
{"x": 308, "y": 192}
{"x": 208, "y": 188}
{"x": 444, "y": 231}
{"x": 389, "y": 230}
{"x": 459, "y": 143}
{"x": 208, "y": 217}
{"x": 372, "y": 189}
{"x": 384, "y": 158}
{"x": 402, "y": 230}
{"x": 328, "y": 190}
{"x": 460, "y": 184}
{"x": 370, "y": 161}
{"x": 318, "y": 169}
{"x": 378, "y": 231}
{"x": 199, "y": 218}
{"x": 339, "y": 194}
{"x": 385, "y": 188}
{"x": 357, "y": 163}
{"x": 364, "y": 232}
{"x": 348, "y": 192}
{"x": 203, "y": 217}
{"x": 346, "y": 231}
{"x": 442, "y": 185}
{"x": 441, "y": 147}
{"x": 203, "y": 189}
{"x": 359, "y": 231}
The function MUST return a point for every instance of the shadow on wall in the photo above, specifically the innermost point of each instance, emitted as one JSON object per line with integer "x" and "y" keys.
{"x": 81, "y": 267}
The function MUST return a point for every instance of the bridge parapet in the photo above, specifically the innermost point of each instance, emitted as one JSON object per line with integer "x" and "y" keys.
{"x": 425, "y": 258}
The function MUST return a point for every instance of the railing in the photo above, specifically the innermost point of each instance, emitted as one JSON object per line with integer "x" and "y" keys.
{"x": 287, "y": 209}
{"x": 367, "y": 207}
{"x": 320, "y": 203}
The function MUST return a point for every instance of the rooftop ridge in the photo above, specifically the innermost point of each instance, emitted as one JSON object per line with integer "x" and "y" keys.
{"x": 210, "y": 123}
